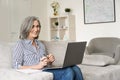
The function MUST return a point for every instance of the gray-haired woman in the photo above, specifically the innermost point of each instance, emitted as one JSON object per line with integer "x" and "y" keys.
{"x": 29, "y": 52}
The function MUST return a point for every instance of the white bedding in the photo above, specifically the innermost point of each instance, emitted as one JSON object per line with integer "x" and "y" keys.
{"x": 111, "y": 72}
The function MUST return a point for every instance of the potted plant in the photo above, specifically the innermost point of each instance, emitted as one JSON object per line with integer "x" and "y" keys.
{"x": 68, "y": 10}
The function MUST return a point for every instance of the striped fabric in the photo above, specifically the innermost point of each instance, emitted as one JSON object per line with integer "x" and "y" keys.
{"x": 24, "y": 54}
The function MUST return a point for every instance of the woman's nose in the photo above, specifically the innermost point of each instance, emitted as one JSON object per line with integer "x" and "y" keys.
{"x": 36, "y": 28}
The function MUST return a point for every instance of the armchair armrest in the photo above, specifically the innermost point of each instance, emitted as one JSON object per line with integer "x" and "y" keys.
{"x": 117, "y": 55}
{"x": 89, "y": 49}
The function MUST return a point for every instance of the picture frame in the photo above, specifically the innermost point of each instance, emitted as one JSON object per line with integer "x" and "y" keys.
{"x": 99, "y": 11}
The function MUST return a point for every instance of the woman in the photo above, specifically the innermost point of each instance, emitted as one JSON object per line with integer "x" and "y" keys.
{"x": 30, "y": 53}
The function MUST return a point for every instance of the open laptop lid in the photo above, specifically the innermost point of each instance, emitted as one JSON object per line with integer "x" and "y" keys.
{"x": 74, "y": 53}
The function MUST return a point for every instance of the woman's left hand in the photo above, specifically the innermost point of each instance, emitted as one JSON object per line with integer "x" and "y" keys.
{"x": 51, "y": 58}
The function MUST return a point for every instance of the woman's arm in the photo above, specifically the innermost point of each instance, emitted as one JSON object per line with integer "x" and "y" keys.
{"x": 43, "y": 62}
{"x": 17, "y": 55}
{"x": 41, "y": 65}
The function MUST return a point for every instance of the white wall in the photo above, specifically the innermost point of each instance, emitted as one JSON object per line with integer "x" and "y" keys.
{"x": 14, "y": 11}
{"x": 11, "y": 16}
{"x": 89, "y": 31}
{"x": 4, "y": 20}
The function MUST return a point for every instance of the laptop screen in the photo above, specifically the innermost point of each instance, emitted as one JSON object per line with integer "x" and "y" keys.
{"x": 74, "y": 53}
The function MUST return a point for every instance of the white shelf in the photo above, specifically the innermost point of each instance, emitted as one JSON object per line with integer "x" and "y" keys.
{"x": 65, "y": 30}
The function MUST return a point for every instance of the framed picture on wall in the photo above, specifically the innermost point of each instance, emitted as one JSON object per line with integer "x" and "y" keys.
{"x": 99, "y": 11}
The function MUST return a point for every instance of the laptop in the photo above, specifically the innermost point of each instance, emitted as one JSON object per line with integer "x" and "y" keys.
{"x": 73, "y": 55}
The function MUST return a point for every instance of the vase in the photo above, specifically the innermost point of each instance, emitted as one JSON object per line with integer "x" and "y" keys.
{"x": 55, "y": 12}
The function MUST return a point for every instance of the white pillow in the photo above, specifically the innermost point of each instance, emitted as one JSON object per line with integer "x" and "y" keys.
{"x": 97, "y": 60}
{"x": 57, "y": 48}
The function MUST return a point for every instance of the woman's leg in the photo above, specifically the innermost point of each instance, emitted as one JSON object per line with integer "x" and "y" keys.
{"x": 77, "y": 72}
{"x": 62, "y": 74}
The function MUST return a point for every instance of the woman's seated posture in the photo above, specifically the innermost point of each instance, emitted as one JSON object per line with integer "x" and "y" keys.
{"x": 30, "y": 53}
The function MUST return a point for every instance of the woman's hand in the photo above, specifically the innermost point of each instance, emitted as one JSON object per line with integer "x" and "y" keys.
{"x": 51, "y": 58}
{"x": 43, "y": 62}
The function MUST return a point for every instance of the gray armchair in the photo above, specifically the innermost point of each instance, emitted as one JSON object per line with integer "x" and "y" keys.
{"x": 109, "y": 46}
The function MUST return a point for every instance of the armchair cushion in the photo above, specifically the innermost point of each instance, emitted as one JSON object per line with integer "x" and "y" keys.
{"x": 98, "y": 60}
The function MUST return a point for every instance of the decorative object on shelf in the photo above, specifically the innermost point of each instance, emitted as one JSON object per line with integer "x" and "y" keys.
{"x": 65, "y": 38}
{"x": 55, "y": 24}
{"x": 55, "y": 5}
{"x": 56, "y": 38}
{"x": 67, "y": 10}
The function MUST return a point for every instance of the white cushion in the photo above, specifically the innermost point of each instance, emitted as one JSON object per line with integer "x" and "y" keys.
{"x": 58, "y": 49}
{"x": 12, "y": 74}
{"x": 97, "y": 60}
{"x": 111, "y": 54}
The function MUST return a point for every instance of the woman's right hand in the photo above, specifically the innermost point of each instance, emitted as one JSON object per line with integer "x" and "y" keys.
{"x": 43, "y": 62}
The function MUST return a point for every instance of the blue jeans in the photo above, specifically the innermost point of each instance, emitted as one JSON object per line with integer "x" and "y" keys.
{"x": 69, "y": 73}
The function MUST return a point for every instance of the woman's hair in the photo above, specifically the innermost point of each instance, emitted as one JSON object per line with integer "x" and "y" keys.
{"x": 27, "y": 26}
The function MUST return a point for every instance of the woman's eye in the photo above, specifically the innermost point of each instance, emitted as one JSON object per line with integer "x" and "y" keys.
{"x": 33, "y": 26}
{"x": 37, "y": 26}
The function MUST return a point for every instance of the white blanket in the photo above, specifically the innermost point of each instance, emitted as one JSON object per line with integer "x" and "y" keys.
{"x": 111, "y": 72}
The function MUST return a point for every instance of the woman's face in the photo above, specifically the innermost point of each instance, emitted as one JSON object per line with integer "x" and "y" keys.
{"x": 34, "y": 32}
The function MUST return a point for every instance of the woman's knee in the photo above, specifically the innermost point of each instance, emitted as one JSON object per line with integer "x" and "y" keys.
{"x": 69, "y": 74}
{"x": 76, "y": 68}
{"x": 68, "y": 69}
